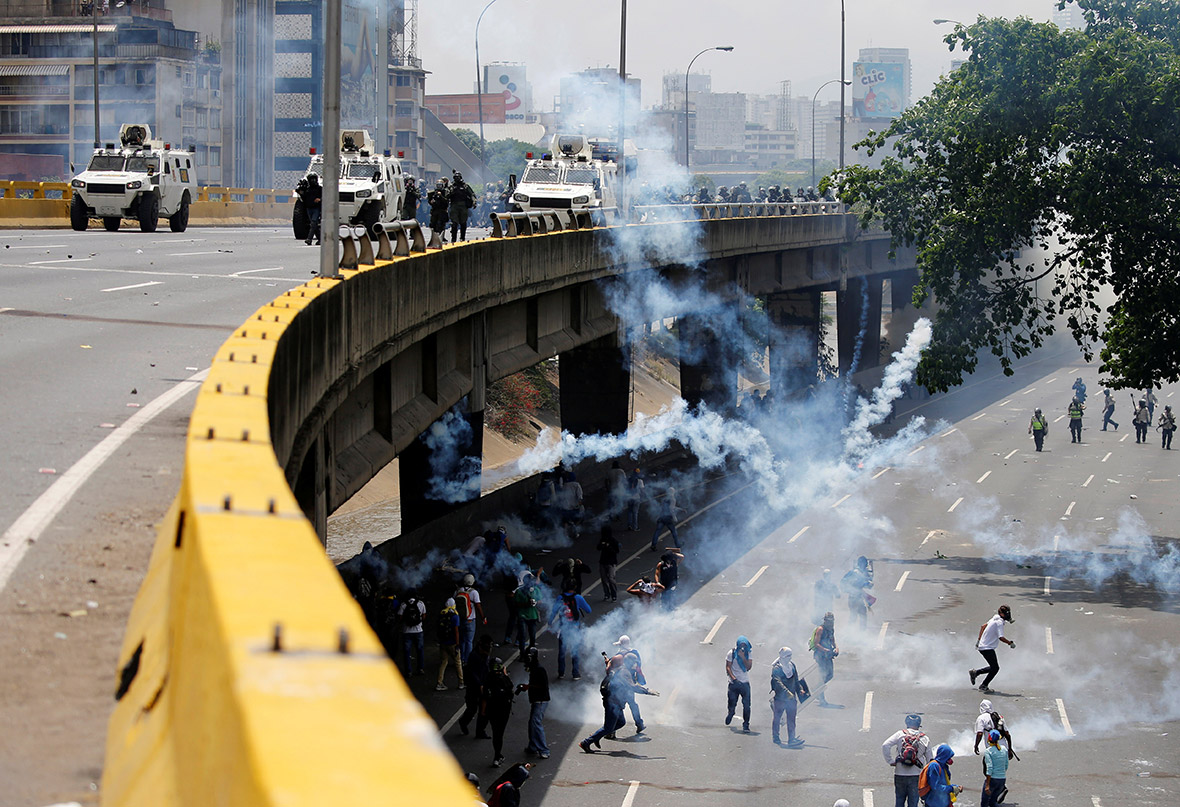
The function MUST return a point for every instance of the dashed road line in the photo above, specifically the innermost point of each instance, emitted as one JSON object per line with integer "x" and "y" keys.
{"x": 1056, "y": 542}
{"x": 135, "y": 286}
{"x": 1008, "y": 456}
{"x": 929, "y": 535}
{"x": 40, "y": 246}
{"x": 841, "y": 500}
{"x": 985, "y": 476}
{"x": 981, "y": 414}
{"x": 632, "y": 789}
{"x": 883, "y": 470}
{"x": 958, "y": 501}
{"x": 1051, "y": 380}
{"x": 716, "y": 627}
{"x": 1048, "y": 641}
{"x": 948, "y": 434}
{"x": 796, "y": 535}
{"x": 1089, "y": 479}
{"x": 1069, "y": 509}
{"x": 1005, "y": 403}
{"x": 59, "y": 260}
{"x": 1059, "y": 417}
{"x": 901, "y": 582}
{"x": 1124, "y": 437}
{"x": 1030, "y": 389}
{"x": 866, "y": 722}
{"x": 1170, "y": 394}
{"x": 915, "y": 451}
{"x": 256, "y": 271}
{"x": 1108, "y": 453}
{"x": 881, "y": 635}
{"x": 866, "y": 796}
{"x": 1047, "y": 579}
{"x": 1095, "y": 801}
{"x": 757, "y": 574}
{"x": 1064, "y": 717}
{"x": 186, "y": 254}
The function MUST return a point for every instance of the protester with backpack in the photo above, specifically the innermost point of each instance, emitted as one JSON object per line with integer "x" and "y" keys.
{"x": 448, "y": 644}
{"x": 505, "y": 791}
{"x": 822, "y": 645}
{"x": 991, "y": 720}
{"x": 934, "y": 783}
{"x": 907, "y": 752}
{"x": 526, "y": 598}
{"x": 410, "y": 616}
{"x": 566, "y": 622}
{"x": 788, "y": 690}
{"x": 471, "y": 615}
{"x": 628, "y": 657}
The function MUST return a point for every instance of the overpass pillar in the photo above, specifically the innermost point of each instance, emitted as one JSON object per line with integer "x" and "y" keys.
{"x": 311, "y": 486}
{"x": 858, "y": 324}
{"x": 708, "y": 368}
{"x": 596, "y": 386}
{"x": 902, "y": 289}
{"x": 794, "y": 340}
{"x": 441, "y": 469}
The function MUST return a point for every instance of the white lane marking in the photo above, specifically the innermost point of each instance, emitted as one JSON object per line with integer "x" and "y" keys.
{"x": 866, "y": 796}
{"x": 25, "y": 531}
{"x": 985, "y": 476}
{"x": 1064, "y": 717}
{"x": 2, "y": 310}
{"x": 948, "y": 434}
{"x": 135, "y": 286}
{"x": 881, "y": 635}
{"x": 883, "y": 470}
{"x": 1008, "y": 456}
{"x": 256, "y": 271}
{"x": 1027, "y": 391}
{"x": 842, "y": 499}
{"x": 1124, "y": 437}
{"x": 1059, "y": 417}
{"x": 40, "y": 246}
{"x": 866, "y": 722}
{"x": 186, "y": 254}
{"x": 901, "y": 582}
{"x": 1069, "y": 509}
{"x": 59, "y": 260}
{"x": 1108, "y": 453}
{"x": 915, "y": 451}
{"x": 958, "y": 501}
{"x": 159, "y": 273}
{"x": 1005, "y": 403}
{"x": 1051, "y": 380}
{"x": 1047, "y": 579}
{"x": 1095, "y": 801}
{"x": 796, "y": 535}
{"x": 1048, "y": 641}
{"x": 1170, "y": 394}
{"x": 1056, "y": 542}
{"x": 629, "y": 799}
{"x": 1089, "y": 479}
{"x": 757, "y": 574}
{"x": 980, "y": 415}
{"x": 929, "y": 535}
{"x": 716, "y": 627}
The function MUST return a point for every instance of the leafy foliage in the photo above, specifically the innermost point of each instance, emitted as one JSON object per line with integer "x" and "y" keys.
{"x": 1050, "y": 156}
{"x": 512, "y": 400}
{"x": 505, "y": 156}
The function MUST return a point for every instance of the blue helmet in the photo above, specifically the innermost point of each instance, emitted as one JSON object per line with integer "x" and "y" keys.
{"x": 993, "y": 736}
{"x": 913, "y": 721}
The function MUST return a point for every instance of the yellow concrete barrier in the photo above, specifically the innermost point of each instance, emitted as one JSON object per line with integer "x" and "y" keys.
{"x": 248, "y": 675}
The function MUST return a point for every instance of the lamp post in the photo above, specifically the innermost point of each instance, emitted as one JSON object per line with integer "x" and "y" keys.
{"x": 727, "y": 49}
{"x": 479, "y": 82}
{"x": 330, "y": 209}
{"x": 941, "y": 21}
{"x": 843, "y": 83}
{"x": 622, "y": 106}
{"x": 94, "y": 19}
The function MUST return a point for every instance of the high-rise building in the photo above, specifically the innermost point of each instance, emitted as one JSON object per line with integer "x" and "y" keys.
{"x": 672, "y": 96}
{"x": 1069, "y": 17}
{"x": 881, "y": 82}
{"x": 721, "y": 121}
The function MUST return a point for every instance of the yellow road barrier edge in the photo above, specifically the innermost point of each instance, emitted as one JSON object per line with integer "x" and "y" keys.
{"x": 232, "y": 687}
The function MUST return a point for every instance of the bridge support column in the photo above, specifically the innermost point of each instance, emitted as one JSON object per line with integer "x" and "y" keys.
{"x": 311, "y": 486}
{"x": 794, "y": 341}
{"x": 858, "y": 321}
{"x": 596, "y": 387}
{"x": 902, "y": 289}
{"x": 708, "y": 371}
{"x": 441, "y": 469}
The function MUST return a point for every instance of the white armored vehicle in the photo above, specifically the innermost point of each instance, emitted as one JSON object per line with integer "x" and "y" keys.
{"x": 372, "y": 186}
{"x": 570, "y": 178}
{"x": 143, "y": 179}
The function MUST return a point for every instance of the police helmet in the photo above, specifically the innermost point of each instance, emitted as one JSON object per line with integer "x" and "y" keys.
{"x": 457, "y": 176}
{"x": 1036, "y": 411}
{"x": 312, "y": 176}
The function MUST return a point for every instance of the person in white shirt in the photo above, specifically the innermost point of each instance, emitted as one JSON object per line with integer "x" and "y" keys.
{"x": 907, "y": 752}
{"x": 991, "y": 634}
{"x": 737, "y": 667}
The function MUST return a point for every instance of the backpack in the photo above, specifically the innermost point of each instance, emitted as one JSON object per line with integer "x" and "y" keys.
{"x": 445, "y": 627}
{"x": 572, "y": 612}
{"x": 851, "y": 581}
{"x": 463, "y": 605}
{"x": 924, "y": 782}
{"x": 811, "y": 642}
{"x": 496, "y": 799}
{"x": 412, "y": 615}
{"x": 911, "y": 744}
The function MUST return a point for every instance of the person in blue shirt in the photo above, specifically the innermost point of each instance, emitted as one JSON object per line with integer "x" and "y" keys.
{"x": 568, "y": 613}
{"x": 938, "y": 777}
{"x": 995, "y": 766}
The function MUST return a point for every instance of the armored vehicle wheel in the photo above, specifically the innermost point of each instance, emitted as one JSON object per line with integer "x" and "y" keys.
{"x": 111, "y": 223}
{"x": 149, "y": 212}
{"x": 299, "y": 223}
{"x": 178, "y": 221}
{"x": 369, "y": 217}
{"x": 78, "y": 217}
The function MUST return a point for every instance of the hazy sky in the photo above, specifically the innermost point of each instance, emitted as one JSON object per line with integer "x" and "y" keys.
{"x": 797, "y": 40}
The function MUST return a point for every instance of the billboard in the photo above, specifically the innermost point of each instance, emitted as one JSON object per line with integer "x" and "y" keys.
{"x": 509, "y": 80}
{"x": 359, "y": 60}
{"x": 878, "y": 89}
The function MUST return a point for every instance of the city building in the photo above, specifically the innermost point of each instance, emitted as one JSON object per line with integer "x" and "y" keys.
{"x": 766, "y": 148}
{"x": 881, "y": 82}
{"x": 589, "y": 102}
{"x": 721, "y": 121}
{"x": 1069, "y": 17}
{"x": 465, "y": 108}
{"x": 149, "y": 71}
{"x": 672, "y": 96}
{"x": 510, "y": 81}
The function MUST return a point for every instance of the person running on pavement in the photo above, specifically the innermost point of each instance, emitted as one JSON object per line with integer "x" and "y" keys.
{"x": 475, "y": 673}
{"x": 538, "y": 689}
{"x": 619, "y": 681}
{"x": 1167, "y": 427}
{"x": 737, "y": 668}
{"x": 1108, "y": 410}
{"x": 497, "y": 706}
{"x": 938, "y": 776}
{"x": 789, "y": 689}
{"x": 907, "y": 752}
{"x": 626, "y": 650}
{"x": 991, "y": 633}
{"x": 824, "y": 649}
{"x": 1038, "y": 427}
{"x": 995, "y": 776}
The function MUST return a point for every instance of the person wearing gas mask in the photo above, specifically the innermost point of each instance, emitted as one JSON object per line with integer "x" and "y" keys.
{"x": 991, "y": 633}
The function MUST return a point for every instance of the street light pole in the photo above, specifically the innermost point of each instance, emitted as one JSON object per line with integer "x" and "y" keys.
{"x": 330, "y": 205}
{"x": 94, "y": 19}
{"x": 479, "y": 82}
{"x": 813, "y": 97}
{"x": 727, "y": 49}
{"x": 843, "y": 84}
{"x": 623, "y": 106}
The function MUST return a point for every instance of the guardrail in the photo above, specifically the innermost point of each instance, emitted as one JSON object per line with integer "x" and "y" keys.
{"x": 727, "y": 210}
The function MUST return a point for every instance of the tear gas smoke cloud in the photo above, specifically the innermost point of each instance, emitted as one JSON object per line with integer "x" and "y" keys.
{"x": 454, "y": 474}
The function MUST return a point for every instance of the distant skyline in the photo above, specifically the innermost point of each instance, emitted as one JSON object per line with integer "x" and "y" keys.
{"x": 794, "y": 40}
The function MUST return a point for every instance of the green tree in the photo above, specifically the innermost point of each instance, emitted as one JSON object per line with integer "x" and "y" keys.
{"x": 469, "y": 139}
{"x": 1049, "y": 156}
{"x": 508, "y": 157}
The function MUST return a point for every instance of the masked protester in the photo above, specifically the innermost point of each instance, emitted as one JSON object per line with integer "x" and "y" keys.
{"x": 991, "y": 633}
